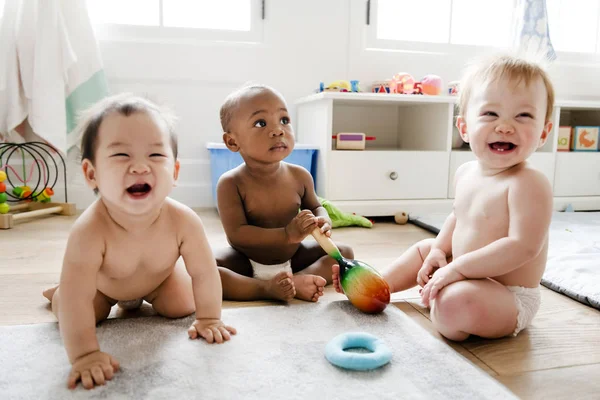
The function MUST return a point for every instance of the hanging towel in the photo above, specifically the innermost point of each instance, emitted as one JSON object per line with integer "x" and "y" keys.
{"x": 59, "y": 65}
{"x": 531, "y": 35}
{"x": 13, "y": 103}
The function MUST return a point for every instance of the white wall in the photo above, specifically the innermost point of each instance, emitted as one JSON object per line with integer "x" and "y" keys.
{"x": 305, "y": 42}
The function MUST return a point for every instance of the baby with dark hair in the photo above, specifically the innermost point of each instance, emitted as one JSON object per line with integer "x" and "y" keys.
{"x": 133, "y": 243}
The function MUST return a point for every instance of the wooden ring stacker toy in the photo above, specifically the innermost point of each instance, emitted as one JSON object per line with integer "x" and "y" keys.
{"x": 363, "y": 285}
{"x": 335, "y": 352}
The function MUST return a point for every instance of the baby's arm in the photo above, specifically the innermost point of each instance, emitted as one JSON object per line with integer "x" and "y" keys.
{"x": 206, "y": 283}
{"x": 310, "y": 200}
{"x": 76, "y": 313}
{"x": 530, "y": 212}
{"x": 244, "y": 236}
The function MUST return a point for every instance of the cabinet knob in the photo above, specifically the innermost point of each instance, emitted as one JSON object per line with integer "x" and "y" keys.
{"x": 393, "y": 175}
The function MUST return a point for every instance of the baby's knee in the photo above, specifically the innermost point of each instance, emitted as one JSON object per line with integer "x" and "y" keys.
{"x": 454, "y": 305}
{"x": 346, "y": 250}
{"x": 424, "y": 247}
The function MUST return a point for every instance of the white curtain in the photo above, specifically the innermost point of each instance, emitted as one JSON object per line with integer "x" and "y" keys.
{"x": 531, "y": 34}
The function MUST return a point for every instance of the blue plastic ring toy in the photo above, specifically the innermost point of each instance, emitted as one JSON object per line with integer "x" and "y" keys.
{"x": 336, "y": 354}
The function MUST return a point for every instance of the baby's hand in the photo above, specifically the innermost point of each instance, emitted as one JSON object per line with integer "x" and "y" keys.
{"x": 92, "y": 369}
{"x": 440, "y": 279}
{"x": 434, "y": 261}
{"x": 325, "y": 225}
{"x": 301, "y": 226}
{"x": 335, "y": 277}
{"x": 211, "y": 329}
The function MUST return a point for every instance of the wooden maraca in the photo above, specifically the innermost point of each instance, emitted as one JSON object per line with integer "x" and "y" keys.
{"x": 363, "y": 285}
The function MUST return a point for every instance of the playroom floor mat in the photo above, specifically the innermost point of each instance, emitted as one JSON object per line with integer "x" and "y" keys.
{"x": 278, "y": 353}
{"x": 573, "y": 266}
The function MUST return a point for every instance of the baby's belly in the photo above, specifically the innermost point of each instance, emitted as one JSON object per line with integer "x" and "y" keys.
{"x": 135, "y": 286}
{"x": 466, "y": 240}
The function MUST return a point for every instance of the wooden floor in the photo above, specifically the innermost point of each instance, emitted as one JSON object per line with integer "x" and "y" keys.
{"x": 555, "y": 358}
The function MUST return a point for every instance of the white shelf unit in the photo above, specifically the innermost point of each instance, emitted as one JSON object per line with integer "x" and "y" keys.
{"x": 410, "y": 166}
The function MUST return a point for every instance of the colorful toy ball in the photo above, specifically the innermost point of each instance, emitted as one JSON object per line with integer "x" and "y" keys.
{"x": 431, "y": 85}
{"x": 2, "y": 187}
{"x": 402, "y": 83}
{"x": 364, "y": 286}
{"x": 4, "y": 208}
{"x": 2, "y": 176}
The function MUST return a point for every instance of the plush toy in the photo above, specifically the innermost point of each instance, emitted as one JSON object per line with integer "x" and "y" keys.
{"x": 340, "y": 218}
{"x": 431, "y": 85}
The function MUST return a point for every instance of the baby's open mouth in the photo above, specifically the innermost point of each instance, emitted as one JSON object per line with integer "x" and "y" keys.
{"x": 139, "y": 189}
{"x": 502, "y": 146}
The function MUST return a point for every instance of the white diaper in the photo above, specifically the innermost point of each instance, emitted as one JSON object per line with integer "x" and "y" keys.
{"x": 528, "y": 302}
{"x": 266, "y": 272}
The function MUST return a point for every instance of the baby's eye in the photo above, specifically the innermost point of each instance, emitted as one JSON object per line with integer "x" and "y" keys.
{"x": 157, "y": 155}
{"x": 120, "y": 155}
{"x": 489, "y": 114}
{"x": 285, "y": 120}
{"x": 526, "y": 115}
{"x": 261, "y": 123}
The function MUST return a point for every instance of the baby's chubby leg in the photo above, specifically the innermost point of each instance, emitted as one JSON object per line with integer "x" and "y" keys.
{"x": 313, "y": 269}
{"x": 174, "y": 297}
{"x": 481, "y": 307}
{"x": 102, "y": 303}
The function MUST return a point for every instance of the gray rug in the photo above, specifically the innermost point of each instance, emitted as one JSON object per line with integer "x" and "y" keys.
{"x": 573, "y": 267}
{"x": 277, "y": 354}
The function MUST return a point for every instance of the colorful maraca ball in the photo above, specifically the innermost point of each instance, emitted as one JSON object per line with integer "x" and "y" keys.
{"x": 364, "y": 286}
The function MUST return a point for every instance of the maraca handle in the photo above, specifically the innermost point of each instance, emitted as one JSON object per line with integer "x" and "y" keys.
{"x": 327, "y": 244}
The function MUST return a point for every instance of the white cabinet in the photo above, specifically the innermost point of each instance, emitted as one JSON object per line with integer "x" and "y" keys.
{"x": 410, "y": 166}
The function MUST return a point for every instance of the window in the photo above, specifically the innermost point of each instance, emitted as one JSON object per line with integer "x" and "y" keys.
{"x": 461, "y": 22}
{"x": 433, "y": 25}
{"x": 573, "y": 25}
{"x": 236, "y": 20}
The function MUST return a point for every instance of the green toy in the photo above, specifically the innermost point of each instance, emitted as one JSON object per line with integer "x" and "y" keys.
{"x": 340, "y": 218}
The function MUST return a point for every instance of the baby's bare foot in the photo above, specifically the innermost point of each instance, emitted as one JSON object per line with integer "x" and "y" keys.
{"x": 49, "y": 293}
{"x": 309, "y": 287}
{"x": 335, "y": 276}
{"x": 280, "y": 287}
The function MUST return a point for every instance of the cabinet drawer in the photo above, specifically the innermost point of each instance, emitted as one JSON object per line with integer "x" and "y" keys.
{"x": 541, "y": 161}
{"x": 368, "y": 175}
{"x": 577, "y": 174}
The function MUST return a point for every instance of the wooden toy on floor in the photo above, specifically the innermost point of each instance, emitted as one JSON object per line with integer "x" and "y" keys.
{"x": 30, "y": 200}
{"x": 363, "y": 285}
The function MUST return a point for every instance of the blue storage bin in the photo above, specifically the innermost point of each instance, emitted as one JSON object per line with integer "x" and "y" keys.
{"x": 222, "y": 160}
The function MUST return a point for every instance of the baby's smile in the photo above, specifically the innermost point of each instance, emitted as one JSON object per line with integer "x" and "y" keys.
{"x": 139, "y": 190}
{"x": 502, "y": 147}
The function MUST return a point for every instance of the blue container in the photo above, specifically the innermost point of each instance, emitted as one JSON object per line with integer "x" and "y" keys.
{"x": 222, "y": 160}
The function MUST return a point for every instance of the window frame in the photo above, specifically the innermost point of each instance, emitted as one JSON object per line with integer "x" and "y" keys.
{"x": 184, "y": 35}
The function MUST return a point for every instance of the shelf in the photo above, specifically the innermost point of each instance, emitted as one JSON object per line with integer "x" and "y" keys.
{"x": 379, "y": 98}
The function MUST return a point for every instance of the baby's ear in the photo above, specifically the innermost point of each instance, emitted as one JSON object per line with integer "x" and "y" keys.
{"x": 230, "y": 142}
{"x": 461, "y": 125}
{"x": 545, "y": 134}
{"x": 176, "y": 172}
{"x": 89, "y": 172}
